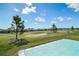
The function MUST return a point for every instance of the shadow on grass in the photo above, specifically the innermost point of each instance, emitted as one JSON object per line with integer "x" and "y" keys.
{"x": 18, "y": 42}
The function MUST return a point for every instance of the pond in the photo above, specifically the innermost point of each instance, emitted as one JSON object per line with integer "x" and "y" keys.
{"x": 63, "y": 47}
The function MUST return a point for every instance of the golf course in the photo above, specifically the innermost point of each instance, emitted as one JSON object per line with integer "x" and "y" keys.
{"x": 24, "y": 26}
{"x": 35, "y": 38}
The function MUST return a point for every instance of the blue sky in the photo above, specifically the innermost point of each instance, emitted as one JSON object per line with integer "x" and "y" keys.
{"x": 40, "y": 15}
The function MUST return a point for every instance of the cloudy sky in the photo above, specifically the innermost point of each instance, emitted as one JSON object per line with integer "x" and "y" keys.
{"x": 40, "y": 15}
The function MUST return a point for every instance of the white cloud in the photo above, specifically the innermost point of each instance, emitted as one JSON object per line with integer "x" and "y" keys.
{"x": 54, "y": 21}
{"x": 54, "y": 18}
{"x": 35, "y": 23}
{"x": 29, "y": 4}
{"x": 69, "y": 18}
{"x": 17, "y": 10}
{"x": 60, "y": 18}
{"x": 75, "y": 6}
{"x": 29, "y": 8}
{"x": 40, "y": 19}
{"x": 42, "y": 14}
{"x": 26, "y": 21}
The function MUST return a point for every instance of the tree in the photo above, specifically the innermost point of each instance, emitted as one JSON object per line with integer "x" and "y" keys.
{"x": 54, "y": 28}
{"x": 18, "y": 24}
{"x": 72, "y": 28}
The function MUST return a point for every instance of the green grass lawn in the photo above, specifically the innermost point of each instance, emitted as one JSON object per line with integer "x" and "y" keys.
{"x": 34, "y": 38}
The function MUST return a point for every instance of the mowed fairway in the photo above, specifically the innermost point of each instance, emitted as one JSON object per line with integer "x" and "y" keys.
{"x": 35, "y": 38}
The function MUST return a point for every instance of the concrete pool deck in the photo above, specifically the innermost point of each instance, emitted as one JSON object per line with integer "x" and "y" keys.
{"x": 63, "y": 47}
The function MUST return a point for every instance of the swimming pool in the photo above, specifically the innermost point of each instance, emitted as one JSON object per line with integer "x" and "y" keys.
{"x": 63, "y": 47}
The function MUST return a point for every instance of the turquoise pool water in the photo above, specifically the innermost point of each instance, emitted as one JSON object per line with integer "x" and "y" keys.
{"x": 63, "y": 47}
